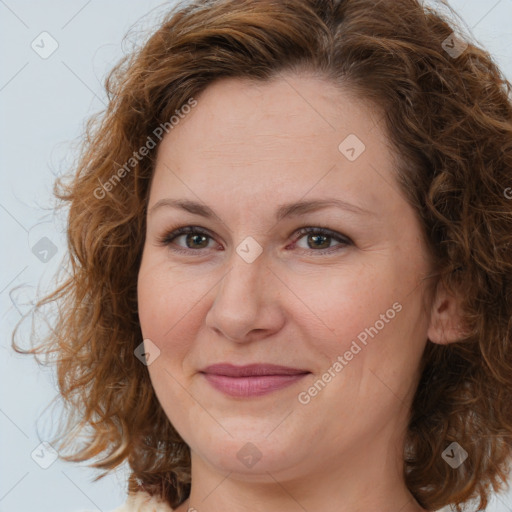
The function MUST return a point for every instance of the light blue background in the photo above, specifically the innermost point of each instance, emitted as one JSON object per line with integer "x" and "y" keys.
{"x": 43, "y": 107}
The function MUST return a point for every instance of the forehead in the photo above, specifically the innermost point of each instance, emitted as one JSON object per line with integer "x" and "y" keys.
{"x": 289, "y": 134}
{"x": 287, "y": 107}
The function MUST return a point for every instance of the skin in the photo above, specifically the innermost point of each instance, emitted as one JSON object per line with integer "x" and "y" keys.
{"x": 244, "y": 150}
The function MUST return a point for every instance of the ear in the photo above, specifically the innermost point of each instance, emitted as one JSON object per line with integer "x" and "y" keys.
{"x": 446, "y": 319}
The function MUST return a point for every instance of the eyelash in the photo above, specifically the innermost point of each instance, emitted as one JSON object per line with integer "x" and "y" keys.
{"x": 168, "y": 238}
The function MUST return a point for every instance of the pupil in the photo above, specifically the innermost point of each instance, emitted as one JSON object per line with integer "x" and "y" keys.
{"x": 195, "y": 238}
{"x": 317, "y": 237}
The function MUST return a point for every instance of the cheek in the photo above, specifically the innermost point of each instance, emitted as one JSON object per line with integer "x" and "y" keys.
{"x": 170, "y": 306}
{"x": 368, "y": 316}
{"x": 337, "y": 305}
{"x": 167, "y": 305}
{"x": 152, "y": 296}
{"x": 160, "y": 301}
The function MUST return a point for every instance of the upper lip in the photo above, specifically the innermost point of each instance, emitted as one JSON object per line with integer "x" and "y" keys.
{"x": 251, "y": 370}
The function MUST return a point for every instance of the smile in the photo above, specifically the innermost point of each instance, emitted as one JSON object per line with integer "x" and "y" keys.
{"x": 251, "y": 380}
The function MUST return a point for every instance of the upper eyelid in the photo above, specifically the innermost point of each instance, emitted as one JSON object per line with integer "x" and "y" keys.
{"x": 206, "y": 231}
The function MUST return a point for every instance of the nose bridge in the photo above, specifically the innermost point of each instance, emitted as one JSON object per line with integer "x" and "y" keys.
{"x": 240, "y": 297}
{"x": 247, "y": 265}
{"x": 241, "y": 286}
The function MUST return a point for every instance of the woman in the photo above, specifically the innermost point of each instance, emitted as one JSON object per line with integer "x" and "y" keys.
{"x": 290, "y": 244}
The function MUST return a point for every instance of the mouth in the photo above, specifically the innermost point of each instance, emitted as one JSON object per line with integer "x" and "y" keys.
{"x": 251, "y": 380}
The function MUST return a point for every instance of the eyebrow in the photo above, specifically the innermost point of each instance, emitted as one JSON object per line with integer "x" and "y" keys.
{"x": 283, "y": 211}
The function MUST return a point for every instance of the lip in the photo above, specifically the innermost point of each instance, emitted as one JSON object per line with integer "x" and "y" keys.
{"x": 251, "y": 370}
{"x": 251, "y": 380}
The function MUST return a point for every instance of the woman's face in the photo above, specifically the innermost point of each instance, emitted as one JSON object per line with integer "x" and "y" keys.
{"x": 342, "y": 310}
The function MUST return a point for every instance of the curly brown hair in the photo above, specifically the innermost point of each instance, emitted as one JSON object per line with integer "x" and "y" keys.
{"x": 449, "y": 120}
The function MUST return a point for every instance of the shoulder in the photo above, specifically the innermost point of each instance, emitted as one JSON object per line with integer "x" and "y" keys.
{"x": 143, "y": 502}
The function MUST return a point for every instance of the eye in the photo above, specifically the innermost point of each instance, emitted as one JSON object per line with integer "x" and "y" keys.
{"x": 319, "y": 239}
{"x": 194, "y": 238}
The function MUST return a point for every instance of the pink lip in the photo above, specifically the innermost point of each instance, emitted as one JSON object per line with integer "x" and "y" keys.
{"x": 251, "y": 380}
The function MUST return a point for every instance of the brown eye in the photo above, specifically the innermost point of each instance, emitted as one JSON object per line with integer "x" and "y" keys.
{"x": 194, "y": 239}
{"x": 320, "y": 239}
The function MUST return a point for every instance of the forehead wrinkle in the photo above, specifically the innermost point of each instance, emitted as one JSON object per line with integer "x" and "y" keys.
{"x": 279, "y": 145}
{"x": 268, "y": 139}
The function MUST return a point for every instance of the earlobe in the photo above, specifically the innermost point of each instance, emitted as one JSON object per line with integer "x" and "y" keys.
{"x": 446, "y": 320}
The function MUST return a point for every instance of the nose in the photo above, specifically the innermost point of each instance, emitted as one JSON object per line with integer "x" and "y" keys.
{"x": 246, "y": 303}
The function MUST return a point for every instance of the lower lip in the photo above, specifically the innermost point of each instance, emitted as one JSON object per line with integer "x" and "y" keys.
{"x": 251, "y": 386}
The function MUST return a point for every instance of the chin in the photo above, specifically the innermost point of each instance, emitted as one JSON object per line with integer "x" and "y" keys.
{"x": 250, "y": 461}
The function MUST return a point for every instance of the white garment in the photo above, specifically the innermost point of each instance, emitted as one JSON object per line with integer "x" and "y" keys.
{"x": 143, "y": 502}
